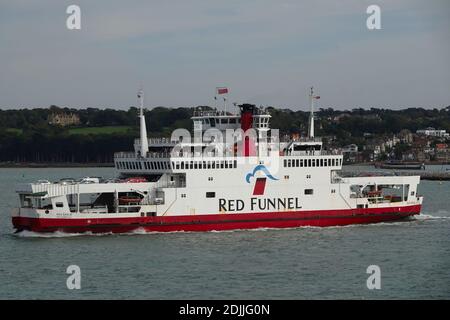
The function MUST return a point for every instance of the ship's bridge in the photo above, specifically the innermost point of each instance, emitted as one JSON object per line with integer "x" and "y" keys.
{"x": 221, "y": 120}
{"x": 303, "y": 146}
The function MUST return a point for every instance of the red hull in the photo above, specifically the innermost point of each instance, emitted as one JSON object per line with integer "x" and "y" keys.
{"x": 209, "y": 222}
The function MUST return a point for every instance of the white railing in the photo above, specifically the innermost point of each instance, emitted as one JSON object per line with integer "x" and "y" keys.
{"x": 168, "y": 155}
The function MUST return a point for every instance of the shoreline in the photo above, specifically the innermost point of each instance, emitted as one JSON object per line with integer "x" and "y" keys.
{"x": 56, "y": 165}
{"x": 426, "y": 163}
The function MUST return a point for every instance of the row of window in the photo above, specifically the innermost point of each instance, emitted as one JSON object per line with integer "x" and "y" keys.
{"x": 213, "y": 194}
{"x": 219, "y": 164}
{"x": 169, "y": 165}
{"x": 326, "y": 162}
{"x": 213, "y": 121}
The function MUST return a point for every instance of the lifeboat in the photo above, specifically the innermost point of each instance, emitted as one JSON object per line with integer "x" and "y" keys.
{"x": 374, "y": 193}
{"x": 129, "y": 200}
{"x": 136, "y": 180}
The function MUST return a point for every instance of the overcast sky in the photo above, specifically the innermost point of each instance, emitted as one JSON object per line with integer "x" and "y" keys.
{"x": 267, "y": 52}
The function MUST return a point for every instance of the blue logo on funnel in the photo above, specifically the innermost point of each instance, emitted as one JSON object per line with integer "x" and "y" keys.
{"x": 259, "y": 168}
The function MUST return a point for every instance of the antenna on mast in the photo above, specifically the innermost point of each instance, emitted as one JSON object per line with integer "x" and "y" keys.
{"x": 143, "y": 128}
{"x": 312, "y": 97}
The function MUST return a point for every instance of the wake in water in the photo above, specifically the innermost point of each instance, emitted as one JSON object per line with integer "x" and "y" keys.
{"x": 426, "y": 216}
{"x": 56, "y": 234}
{"x": 61, "y": 234}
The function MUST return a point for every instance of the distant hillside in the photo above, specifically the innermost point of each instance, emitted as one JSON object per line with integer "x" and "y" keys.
{"x": 26, "y": 135}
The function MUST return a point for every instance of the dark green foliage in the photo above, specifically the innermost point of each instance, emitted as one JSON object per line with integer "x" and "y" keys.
{"x": 26, "y": 136}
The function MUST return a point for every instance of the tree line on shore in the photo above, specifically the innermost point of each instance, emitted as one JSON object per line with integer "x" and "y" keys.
{"x": 27, "y": 136}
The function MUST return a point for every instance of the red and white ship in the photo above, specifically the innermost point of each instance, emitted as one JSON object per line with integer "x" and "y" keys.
{"x": 233, "y": 174}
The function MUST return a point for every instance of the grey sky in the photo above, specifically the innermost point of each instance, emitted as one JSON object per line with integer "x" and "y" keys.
{"x": 266, "y": 51}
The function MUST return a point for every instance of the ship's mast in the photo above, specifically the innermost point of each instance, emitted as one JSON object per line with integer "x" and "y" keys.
{"x": 143, "y": 128}
{"x": 311, "y": 116}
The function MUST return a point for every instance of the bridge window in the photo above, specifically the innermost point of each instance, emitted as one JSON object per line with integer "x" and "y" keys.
{"x": 210, "y": 194}
{"x": 309, "y": 191}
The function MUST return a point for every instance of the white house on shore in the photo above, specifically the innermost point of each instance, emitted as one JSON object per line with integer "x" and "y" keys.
{"x": 433, "y": 132}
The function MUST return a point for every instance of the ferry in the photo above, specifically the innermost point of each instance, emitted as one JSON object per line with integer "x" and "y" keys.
{"x": 401, "y": 165}
{"x": 234, "y": 173}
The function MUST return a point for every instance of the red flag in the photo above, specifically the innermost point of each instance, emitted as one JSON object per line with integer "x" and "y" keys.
{"x": 222, "y": 90}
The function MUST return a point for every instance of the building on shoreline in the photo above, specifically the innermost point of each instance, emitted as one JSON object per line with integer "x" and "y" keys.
{"x": 63, "y": 119}
{"x": 433, "y": 132}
